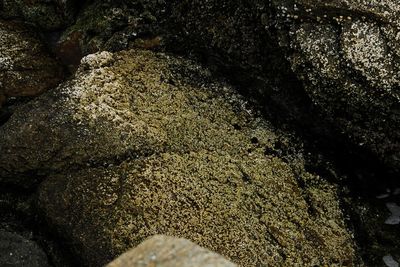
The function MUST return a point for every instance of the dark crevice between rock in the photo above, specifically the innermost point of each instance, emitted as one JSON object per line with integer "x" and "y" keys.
{"x": 19, "y": 218}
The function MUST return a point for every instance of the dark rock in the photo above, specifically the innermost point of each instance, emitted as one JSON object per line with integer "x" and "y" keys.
{"x": 26, "y": 69}
{"x": 15, "y": 250}
{"x": 46, "y": 14}
{"x": 111, "y": 26}
{"x": 346, "y": 55}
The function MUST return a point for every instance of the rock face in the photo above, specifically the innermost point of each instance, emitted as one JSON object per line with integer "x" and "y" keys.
{"x": 25, "y": 68}
{"x": 347, "y": 55}
{"x": 147, "y": 144}
{"x": 47, "y": 14}
{"x": 165, "y": 251}
{"x": 18, "y": 251}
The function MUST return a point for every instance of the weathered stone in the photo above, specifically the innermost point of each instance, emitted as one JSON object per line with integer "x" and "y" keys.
{"x": 46, "y": 14}
{"x": 161, "y": 149}
{"x": 25, "y": 67}
{"x": 165, "y": 251}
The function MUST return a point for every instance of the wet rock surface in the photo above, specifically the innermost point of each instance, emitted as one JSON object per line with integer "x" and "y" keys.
{"x": 185, "y": 149}
{"x": 26, "y": 68}
{"x": 165, "y": 251}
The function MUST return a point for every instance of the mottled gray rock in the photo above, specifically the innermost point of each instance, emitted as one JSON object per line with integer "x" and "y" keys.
{"x": 26, "y": 69}
{"x": 165, "y": 251}
{"x": 15, "y": 250}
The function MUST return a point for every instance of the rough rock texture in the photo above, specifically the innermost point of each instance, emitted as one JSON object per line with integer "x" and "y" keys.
{"x": 18, "y": 251}
{"x": 25, "y": 67}
{"x": 165, "y": 251}
{"x": 146, "y": 144}
{"x": 46, "y": 14}
{"x": 347, "y": 55}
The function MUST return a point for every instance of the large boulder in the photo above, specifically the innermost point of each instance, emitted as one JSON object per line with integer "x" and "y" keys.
{"x": 26, "y": 69}
{"x": 168, "y": 251}
{"x": 138, "y": 144}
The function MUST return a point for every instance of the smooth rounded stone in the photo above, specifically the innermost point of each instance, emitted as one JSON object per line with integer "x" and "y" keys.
{"x": 15, "y": 250}
{"x": 165, "y": 251}
{"x": 46, "y": 14}
{"x": 26, "y": 69}
{"x": 145, "y": 143}
{"x": 346, "y": 54}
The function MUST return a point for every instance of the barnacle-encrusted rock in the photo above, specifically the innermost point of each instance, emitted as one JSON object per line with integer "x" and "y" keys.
{"x": 347, "y": 56}
{"x": 147, "y": 144}
{"x": 166, "y": 251}
{"x": 25, "y": 67}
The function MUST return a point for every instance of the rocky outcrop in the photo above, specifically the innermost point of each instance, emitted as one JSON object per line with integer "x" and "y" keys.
{"x": 168, "y": 251}
{"x": 26, "y": 69}
{"x": 46, "y": 14}
{"x": 147, "y": 144}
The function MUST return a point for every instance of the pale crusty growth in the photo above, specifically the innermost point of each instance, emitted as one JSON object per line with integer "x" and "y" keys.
{"x": 319, "y": 43}
{"x": 200, "y": 170}
{"x": 365, "y": 47}
{"x": 134, "y": 98}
